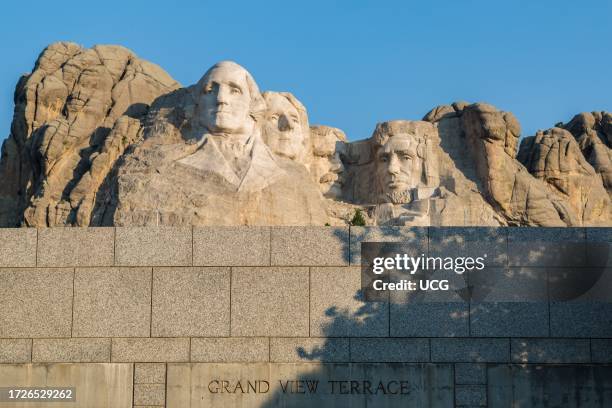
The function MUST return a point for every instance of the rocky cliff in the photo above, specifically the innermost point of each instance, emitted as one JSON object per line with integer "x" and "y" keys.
{"x": 102, "y": 137}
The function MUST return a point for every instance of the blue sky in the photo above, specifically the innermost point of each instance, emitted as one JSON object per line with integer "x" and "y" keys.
{"x": 352, "y": 63}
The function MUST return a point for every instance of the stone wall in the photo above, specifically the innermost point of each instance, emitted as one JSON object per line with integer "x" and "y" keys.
{"x": 152, "y": 297}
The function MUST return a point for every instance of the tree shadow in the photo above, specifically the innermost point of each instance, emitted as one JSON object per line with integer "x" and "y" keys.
{"x": 510, "y": 298}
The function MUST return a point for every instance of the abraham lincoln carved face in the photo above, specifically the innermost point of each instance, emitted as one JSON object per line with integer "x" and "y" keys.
{"x": 398, "y": 161}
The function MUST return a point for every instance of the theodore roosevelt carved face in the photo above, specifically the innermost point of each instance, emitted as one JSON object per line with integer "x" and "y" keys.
{"x": 328, "y": 144}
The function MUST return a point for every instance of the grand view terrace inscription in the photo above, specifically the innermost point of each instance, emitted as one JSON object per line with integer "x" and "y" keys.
{"x": 309, "y": 384}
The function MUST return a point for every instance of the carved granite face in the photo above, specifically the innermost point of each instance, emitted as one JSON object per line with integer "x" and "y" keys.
{"x": 328, "y": 144}
{"x": 224, "y": 99}
{"x": 283, "y": 127}
{"x": 397, "y": 166}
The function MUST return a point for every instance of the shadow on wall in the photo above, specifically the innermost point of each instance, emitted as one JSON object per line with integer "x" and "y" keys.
{"x": 524, "y": 281}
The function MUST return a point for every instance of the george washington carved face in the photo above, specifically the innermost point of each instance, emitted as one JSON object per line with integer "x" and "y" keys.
{"x": 228, "y": 99}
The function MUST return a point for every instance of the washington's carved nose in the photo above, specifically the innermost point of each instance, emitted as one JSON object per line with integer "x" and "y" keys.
{"x": 283, "y": 123}
{"x": 222, "y": 96}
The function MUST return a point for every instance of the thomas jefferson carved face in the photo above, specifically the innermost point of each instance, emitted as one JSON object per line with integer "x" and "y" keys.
{"x": 225, "y": 99}
{"x": 284, "y": 127}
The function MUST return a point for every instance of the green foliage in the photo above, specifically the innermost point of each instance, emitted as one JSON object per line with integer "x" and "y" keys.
{"x": 358, "y": 219}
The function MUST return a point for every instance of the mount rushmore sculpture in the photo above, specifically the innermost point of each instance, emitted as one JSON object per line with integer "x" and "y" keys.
{"x": 101, "y": 137}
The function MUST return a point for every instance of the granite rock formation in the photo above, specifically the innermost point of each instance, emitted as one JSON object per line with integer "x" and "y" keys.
{"x": 216, "y": 169}
{"x": 74, "y": 116}
{"x": 101, "y": 137}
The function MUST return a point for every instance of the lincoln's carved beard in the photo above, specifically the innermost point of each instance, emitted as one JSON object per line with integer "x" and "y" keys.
{"x": 398, "y": 197}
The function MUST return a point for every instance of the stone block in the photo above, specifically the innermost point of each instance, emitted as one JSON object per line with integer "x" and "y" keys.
{"x": 549, "y": 385}
{"x": 509, "y": 285}
{"x": 323, "y": 349}
{"x": 191, "y": 302}
{"x": 386, "y": 350}
{"x": 35, "y": 303}
{"x": 601, "y": 351}
{"x": 421, "y": 313}
{"x": 550, "y": 351}
{"x": 95, "y": 384}
{"x": 150, "y": 350}
{"x": 17, "y": 247}
{"x": 471, "y": 395}
{"x": 489, "y": 243}
{"x": 337, "y": 307}
{"x": 230, "y": 349}
{"x": 112, "y": 302}
{"x": 510, "y": 302}
{"x": 310, "y": 246}
{"x": 153, "y": 246}
{"x": 231, "y": 246}
{"x": 509, "y": 319}
{"x": 580, "y": 284}
{"x": 149, "y": 394}
{"x": 270, "y": 302}
{"x": 416, "y": 237}
{"x": 470, "y": 350}
{"x": 457, "y": 292}
{"x": 74, "y": 350}
{"x": 149, "y": 373}
{"x": 13, "y": 351}
{"x": 293, "y": 385}
{"x": 580, "y": 319}
{"x": 430, "y": 319}
{"x": 550, "y": 247}
{"x": 470, "y": 373}
{"x": 61, "y": 247}
{"x": 599, "y": 246}
{"x": 149, "y": 406}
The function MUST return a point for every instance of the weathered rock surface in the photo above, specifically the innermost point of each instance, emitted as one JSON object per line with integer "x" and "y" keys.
{"x": 593, "y": 132}
{"x": 203, "y": 161}
{"x": 101, "y": 137}
{"x": 554, "y": 157}
{"x": 61, "y": 144}
{"x": 489, "y": 141}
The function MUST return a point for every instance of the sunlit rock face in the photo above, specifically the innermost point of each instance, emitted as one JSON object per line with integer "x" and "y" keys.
{"x": 102, "y": 137}
{"x": 214, "y": 168}
{"x": 326, "y": 166}
{"x": 593, "y": 132}
{"x": 74, "y": 116}
{"x": 554, "y": 157}
{"x": 285, "y": 126}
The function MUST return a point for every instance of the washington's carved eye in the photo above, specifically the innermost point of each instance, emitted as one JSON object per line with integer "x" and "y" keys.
{"x": 405, "y": 157}
{"x": 236, "y": 91}
{"x": 274, "y": 118}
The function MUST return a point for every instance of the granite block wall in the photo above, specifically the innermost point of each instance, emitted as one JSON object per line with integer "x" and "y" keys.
{"x": 153, "y": 296}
